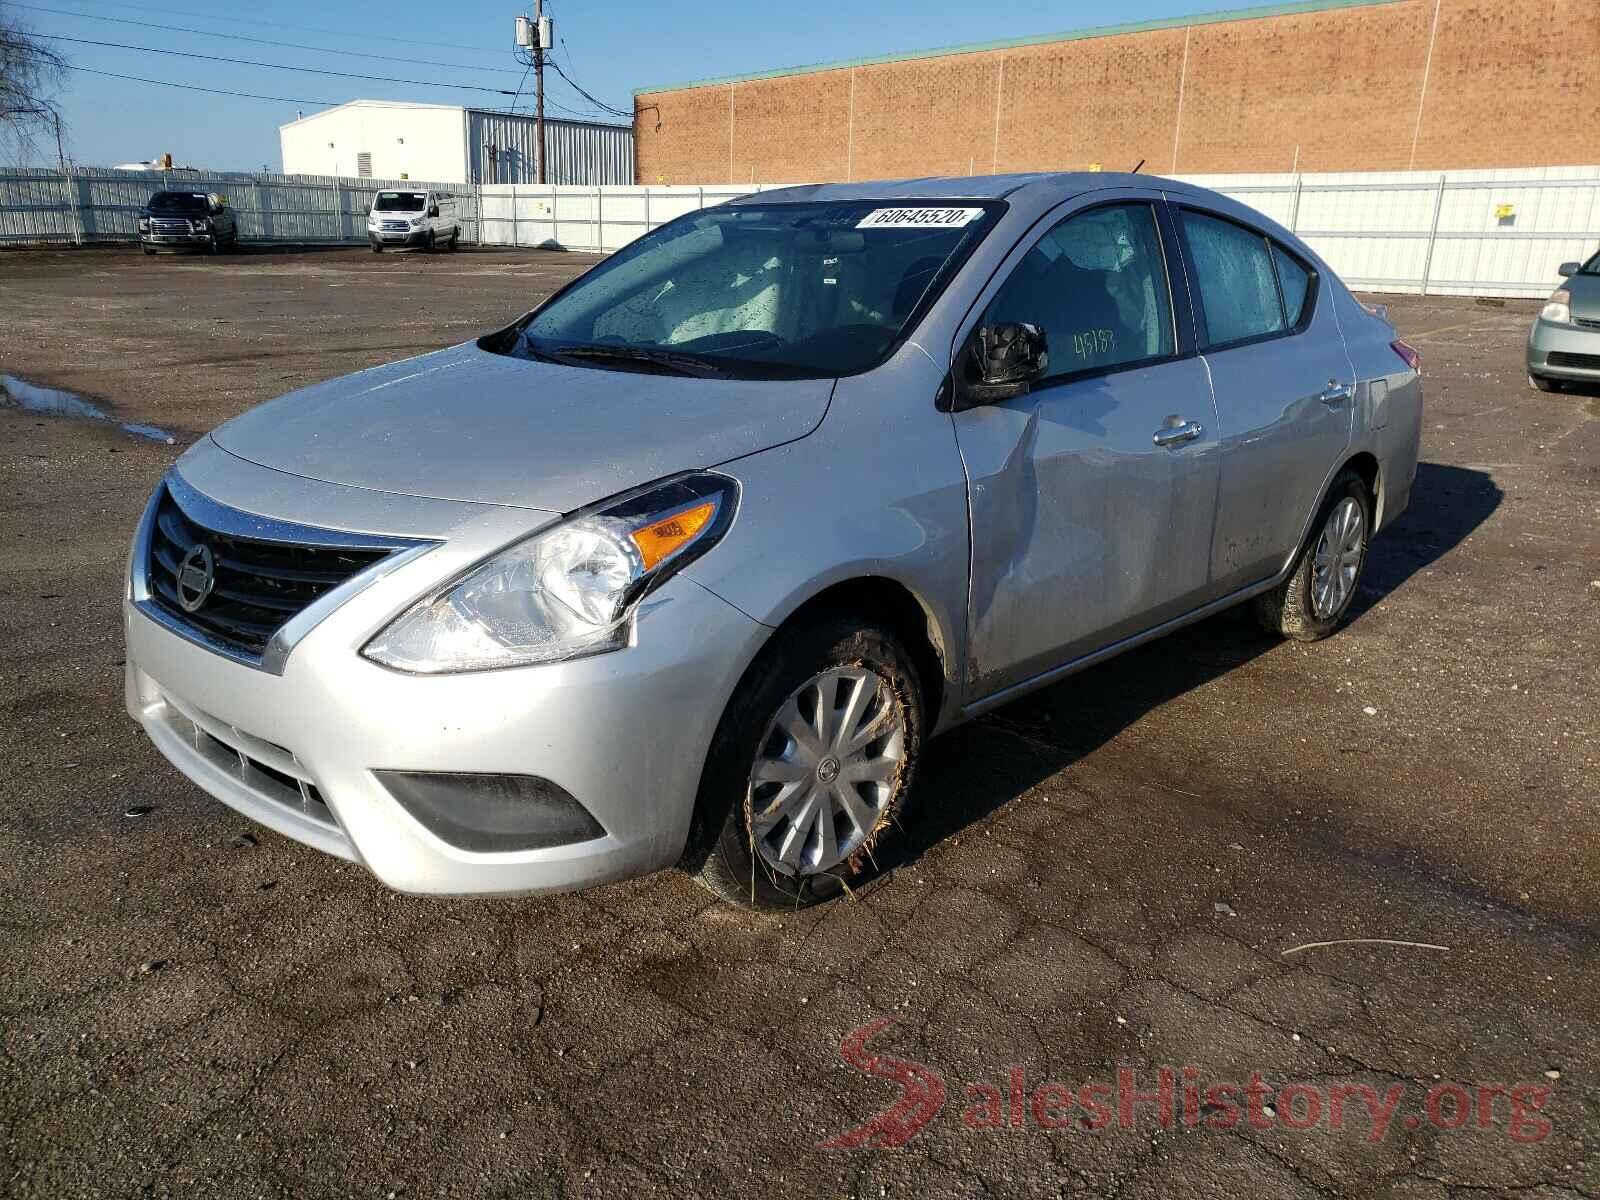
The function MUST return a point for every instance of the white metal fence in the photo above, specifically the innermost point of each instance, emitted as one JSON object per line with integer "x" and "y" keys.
{"x": 1465, "y": 233}
{"x": 80, "y": 207}
{"x": 1495, "y": 233}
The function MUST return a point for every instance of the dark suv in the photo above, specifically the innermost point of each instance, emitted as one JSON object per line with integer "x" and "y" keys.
{"x": 175, "y": 220}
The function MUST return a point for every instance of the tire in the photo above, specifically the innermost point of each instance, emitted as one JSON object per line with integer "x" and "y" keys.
{"x": 1544, "y": 384}
{"x": 455, "y": 239}
{"x": 1300, "y": 608}
{"x": 428, "y": 245}
{"x": 723, "y": 852}
{"x": 150, "y": 250}
{"x": 377, "y": 249}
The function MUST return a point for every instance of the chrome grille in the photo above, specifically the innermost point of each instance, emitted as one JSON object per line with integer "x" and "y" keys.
{"x": 396, "y": 226}
{"x": 168, "y": 225}
{"x": 1586, "y": 322}
{"x": 259, "y": 584}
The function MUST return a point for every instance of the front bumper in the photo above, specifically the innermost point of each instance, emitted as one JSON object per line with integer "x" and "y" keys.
{"x": 175, "y": 241}
{"x": 1564, "y": 352}
{"x": 624, "y": 733}
{"x": 396, "y": 238}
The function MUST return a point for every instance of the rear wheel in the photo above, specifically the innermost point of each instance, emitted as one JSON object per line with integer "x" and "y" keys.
{"x": 810, "y": 766}
{"x": 1309, "y": 605}
{"x": 1545, "y": 384}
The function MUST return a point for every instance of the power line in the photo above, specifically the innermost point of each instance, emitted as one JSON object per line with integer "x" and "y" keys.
{"x": 250, "y": 62}
{"x": 240, "y": 37}
{"x": 190, "y": 87}
{"x": 600, "y": 104}
{"x": 256, "y": 22}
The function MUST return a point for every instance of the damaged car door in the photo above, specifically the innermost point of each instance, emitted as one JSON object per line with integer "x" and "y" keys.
{"x": 1093, "y": 494}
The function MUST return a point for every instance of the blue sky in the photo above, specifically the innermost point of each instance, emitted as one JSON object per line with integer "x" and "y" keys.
{"x": 609, "y": 49}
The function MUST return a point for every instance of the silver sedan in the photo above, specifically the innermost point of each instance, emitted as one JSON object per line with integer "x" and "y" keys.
{"x": 1564, "y": 343}
{"x": 687, "y": 565}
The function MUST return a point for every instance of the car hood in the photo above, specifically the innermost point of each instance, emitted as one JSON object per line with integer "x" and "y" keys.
{"x": 466, "y": 424}
{"x": 1585, "y": 291}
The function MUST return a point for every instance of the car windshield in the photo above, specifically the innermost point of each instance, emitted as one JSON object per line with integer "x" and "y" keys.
{"x": 1592, "y": 267}
{"x": 399, "y": 202}
{"x": 763, "y": 291}
{"x": 179, "y": 202}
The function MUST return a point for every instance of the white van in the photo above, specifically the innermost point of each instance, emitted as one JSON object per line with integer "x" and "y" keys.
{"x": 423, "y": 218}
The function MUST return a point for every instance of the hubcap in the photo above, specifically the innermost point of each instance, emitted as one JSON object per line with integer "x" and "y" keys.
{"x": 1337, "y": 558}
{"x": 826, "y": 770}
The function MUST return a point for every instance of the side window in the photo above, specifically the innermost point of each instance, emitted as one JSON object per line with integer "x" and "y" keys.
{"x": 1097, "y": 285}
{"x": 1237, "y": 288}
{"x": 1295, "y": 281}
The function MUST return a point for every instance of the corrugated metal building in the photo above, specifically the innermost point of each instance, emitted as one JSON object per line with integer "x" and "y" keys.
{"x": 444, "y": 143}
{"x": 500, "y": 149}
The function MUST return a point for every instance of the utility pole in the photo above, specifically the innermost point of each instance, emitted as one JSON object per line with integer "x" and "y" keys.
{"x": 534, "y": 37}
{"x": 540, "y": 33}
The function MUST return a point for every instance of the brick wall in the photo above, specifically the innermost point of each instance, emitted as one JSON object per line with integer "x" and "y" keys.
{"x": 1424, "y": 84}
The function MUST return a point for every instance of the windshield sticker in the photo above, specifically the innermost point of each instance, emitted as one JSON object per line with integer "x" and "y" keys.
{"x": 918, "y": 218}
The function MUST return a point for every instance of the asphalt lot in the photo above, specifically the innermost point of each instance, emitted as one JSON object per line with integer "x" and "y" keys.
{"x": 1106, "y": 874}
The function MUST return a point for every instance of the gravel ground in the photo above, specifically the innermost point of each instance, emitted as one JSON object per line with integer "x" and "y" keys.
{"x": 1113, "y": 873}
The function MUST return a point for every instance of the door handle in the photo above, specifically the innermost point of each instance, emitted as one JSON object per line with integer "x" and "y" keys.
{"x": 1336, "y": 393}
{"x": 1174, "y": 435}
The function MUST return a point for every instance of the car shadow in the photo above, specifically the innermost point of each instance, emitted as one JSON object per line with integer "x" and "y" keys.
{"x": 969, "y": 773}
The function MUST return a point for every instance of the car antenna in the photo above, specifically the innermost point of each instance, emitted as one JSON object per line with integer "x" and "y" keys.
{"x": 1135, "y": 171}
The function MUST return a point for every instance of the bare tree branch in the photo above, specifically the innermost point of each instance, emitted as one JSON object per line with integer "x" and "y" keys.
{"x": 30, "y": 74}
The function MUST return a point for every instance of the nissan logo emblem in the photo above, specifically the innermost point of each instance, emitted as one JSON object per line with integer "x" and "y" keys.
{"x": 197, "y": 575}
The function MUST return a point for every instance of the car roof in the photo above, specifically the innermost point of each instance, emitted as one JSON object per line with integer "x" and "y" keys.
{"x": 1045, "y": 185}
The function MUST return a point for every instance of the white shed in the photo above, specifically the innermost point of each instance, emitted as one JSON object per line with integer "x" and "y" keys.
{"x": 446, "y": 143}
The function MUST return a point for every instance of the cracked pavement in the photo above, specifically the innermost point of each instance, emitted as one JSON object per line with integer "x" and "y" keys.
{"x": 1105, "y": 874}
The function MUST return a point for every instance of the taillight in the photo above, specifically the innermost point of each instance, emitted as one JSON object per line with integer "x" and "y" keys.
{"x": 1409, "y": 353}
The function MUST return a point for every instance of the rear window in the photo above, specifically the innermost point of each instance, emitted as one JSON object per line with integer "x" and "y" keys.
{"x": 179, "y": 202}
{"x": 1237, "y": 289}
{"x": 399, "y": 201}
{"x": 1295, "y": 280}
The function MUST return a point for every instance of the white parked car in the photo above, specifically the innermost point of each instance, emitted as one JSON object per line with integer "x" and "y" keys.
{"x": 422, "y": 218}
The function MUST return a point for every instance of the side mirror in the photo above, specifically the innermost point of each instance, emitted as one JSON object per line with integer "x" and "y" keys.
{"x": 998, "y": 362}
{"x": 1569, "y": 268}
{"x": 433, "y": 210}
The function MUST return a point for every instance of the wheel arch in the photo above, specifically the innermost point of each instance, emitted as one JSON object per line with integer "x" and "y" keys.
{"x": 1365, "y": 464}
{"x": 907, "y": 615}
{"x": 1366, "y": 467}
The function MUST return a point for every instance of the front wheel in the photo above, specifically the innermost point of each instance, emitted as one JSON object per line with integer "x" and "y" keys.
{"x": 810, "y": 766}
{"x": 1309, "y": 605}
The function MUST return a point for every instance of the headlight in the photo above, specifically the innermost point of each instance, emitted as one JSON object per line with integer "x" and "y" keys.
{"x": 1559, "y": 308}
{"x": 565, "y": 592}
{"x": 144, "y": 224}
{"x": 418, "y": 220}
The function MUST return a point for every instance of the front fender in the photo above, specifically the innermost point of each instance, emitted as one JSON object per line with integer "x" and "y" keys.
{"x": 876, "y": 491}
